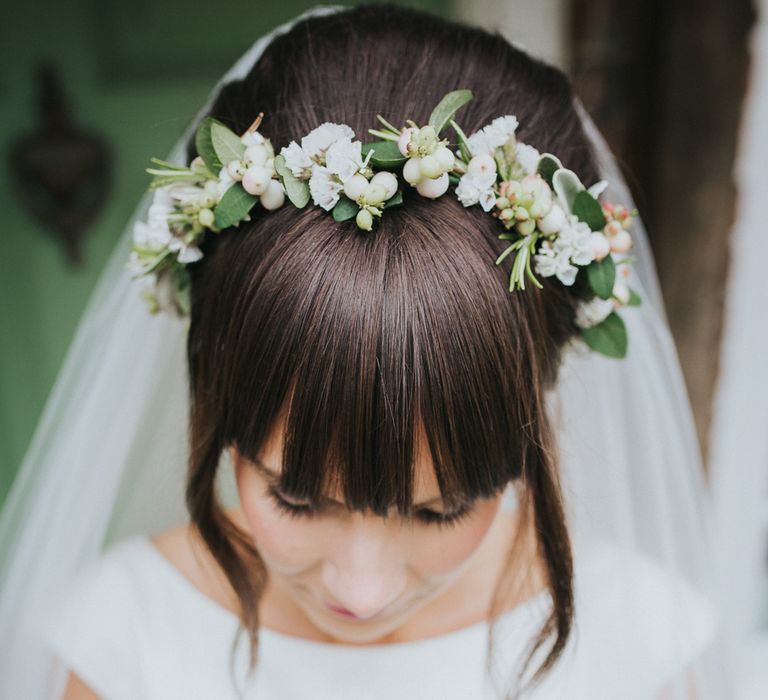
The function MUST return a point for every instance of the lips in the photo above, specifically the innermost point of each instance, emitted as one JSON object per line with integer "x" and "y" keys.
{"x": 342, "y": 611}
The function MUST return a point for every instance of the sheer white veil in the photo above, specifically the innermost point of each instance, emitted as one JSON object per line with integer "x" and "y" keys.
{"x": 108, "y": 456}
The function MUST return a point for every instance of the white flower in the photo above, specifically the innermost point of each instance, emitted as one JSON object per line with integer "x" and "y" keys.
{"x": 151, "y": 238}
{"x": 344, "y": 158}
{"x": 324, "y": 187}
{"x": 185, "y": 253}
{"x": 185, "y": 194}
{"x": 590, "y": 313}
{"x": 553, "y": 262}
{"x": 575, "y": 239}
{"x": 527, "y": 156}
{"x": 477, "y": 187}
{"x": 317, "y": 141}
{"x": 297, "y": 160}
{"x": 493, "y": 135}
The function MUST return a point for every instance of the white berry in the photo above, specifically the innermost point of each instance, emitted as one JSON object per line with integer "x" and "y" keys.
{"x": 433, "y": 187}
{"x": 256, "y": 180}
{"x": 355, "y": 186}
{"x": 256, "y": 154}
{"x": 236, "y": 169}
{"x": 445, "y": 157}
{"x": 274, "y": 197}
{"x": 412, "y": 171}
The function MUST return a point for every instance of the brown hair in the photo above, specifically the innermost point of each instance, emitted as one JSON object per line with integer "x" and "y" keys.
{"x": 361, "y": 338}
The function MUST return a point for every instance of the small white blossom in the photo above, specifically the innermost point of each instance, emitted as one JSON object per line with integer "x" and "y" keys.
{"x": 324, "y": 187}
{"x": 185, "y": 253}
{"x": 591, "y": 313}
{"x": 574, "y": 238}
{"x": 555, "y": 262}
{"x": 344, "y": 159}
{"x": 527, "y": 156}
{"x": 297, "y": 161}
{"x": 477, "y": 187}
{"x": 317, "y": 141}
{"x": 493, "y": 135}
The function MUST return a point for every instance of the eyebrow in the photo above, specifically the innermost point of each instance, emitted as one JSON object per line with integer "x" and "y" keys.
{"x": 271, "y": 474}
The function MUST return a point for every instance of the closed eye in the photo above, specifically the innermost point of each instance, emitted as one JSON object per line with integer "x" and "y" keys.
{"x": 423, "y": 515}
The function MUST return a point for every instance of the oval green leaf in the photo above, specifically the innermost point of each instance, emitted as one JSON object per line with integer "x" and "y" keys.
{"x": 394, "y": 201}
{"x": 226, "y": 143}
{"x": 547, "y": 166}
{"x": 345, "y": 209}
{"x": 588, "y": 209}
{"x": 608, "y": 338}
{"x": 233, "y": 207}
{"x": 634, "y": 298}
{"x": 204, "y": 145}
{"x": 566, "y": 184}
{"x": 447, "y": 107}
{"x": 602, "y": 275}
{"x": 386, "y": 154}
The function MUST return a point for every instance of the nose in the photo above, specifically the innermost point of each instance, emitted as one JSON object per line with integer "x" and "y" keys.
{"x": 366, "y": 570}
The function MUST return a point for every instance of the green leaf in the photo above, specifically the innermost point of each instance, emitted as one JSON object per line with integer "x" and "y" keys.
{"x": 587, "y": 209}
{"x": 394, "y": 201}
{"x": 608, "y": 337}
{"x": 566, "y": 184}
{"x": 204, "y": 145}
{"x": 634, "y": 298}
{"x": 386, "y": 154}
{"x": 447, "y": 107}
{"x": 601, "y": 276}
{"x": 233, "y": 207}
{"x": 547, "y": 166}
{"x": 226, "y": 143}
{"x": 296, "y": 190}
{"x": 454, "y": 178}
{"x": 345, "y": 209}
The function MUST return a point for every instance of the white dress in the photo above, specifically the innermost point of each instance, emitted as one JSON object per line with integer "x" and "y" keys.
{"x": 133, "y": 627}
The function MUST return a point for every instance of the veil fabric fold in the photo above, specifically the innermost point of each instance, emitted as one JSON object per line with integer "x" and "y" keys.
{"x": 108, "y": 457}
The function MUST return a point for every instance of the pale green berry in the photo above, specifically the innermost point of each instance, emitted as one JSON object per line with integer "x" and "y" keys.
{"x": 430, "y": 167}
{"x": 507, "y": 214}
{"x": 355, "y": 186}
{"x": 412, "y": 171}
{"x": 274, "y": 197}
{"x": 526, "y": 227}
{"x": 374, "y": 194}
{"x": 256, "y": 180}
{"x": 205, "y": 217}
{"x": 206, "y": 200}
{"x": 364, "y": 220}
{"x": 521, "y": 214}
{"x": 426, "y": 136}
{"x": 502, "y": 203}
{"x": 387, "y": 180}
{"x": 212, "y": 188}
{"x": 445, "y": 157}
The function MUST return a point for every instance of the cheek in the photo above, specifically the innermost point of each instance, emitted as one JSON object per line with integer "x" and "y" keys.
{"x": 286, "y": 544}
{"x": 440, "y": 551}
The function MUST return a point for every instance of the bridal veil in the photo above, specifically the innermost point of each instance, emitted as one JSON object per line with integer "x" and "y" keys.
{"x": 108, "y": 456}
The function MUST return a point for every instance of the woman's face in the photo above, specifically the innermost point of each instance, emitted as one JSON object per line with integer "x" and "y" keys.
{"x": 358, "y": 577}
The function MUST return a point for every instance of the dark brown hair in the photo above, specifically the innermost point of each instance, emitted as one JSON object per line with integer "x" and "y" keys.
{"x": 360, "y": 339}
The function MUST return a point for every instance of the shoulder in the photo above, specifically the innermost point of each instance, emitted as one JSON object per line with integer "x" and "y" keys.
{"x": 634, "y": 613}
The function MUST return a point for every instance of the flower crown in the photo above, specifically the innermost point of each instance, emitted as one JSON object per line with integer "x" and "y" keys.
{"x": 556, "y": 225}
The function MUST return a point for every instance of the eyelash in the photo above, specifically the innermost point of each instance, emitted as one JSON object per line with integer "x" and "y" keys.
{"x": 428, "y": 517}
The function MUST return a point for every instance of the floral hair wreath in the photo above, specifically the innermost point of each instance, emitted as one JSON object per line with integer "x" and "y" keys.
{"x": 556, "y": 225}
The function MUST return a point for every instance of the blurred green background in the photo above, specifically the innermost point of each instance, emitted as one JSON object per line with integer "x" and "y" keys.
{"x": 133, "y": 73}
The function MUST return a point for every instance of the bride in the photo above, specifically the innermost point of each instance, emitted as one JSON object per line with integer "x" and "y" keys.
{"x": 407, "y": 477}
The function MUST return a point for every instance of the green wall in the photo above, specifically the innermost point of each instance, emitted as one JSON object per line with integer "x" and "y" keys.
{"x": 133, "y": 73}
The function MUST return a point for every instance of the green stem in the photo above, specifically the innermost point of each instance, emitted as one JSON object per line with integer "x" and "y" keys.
{"x": 387, "y": 124}
{"x": 383, "y": 135}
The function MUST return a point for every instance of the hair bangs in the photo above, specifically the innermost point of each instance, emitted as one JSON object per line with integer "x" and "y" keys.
{"x": 363, "y": 365}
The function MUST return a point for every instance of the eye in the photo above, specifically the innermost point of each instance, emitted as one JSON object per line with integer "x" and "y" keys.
{"x": 431, "y": 517}
{"x": 291, "y": 508}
